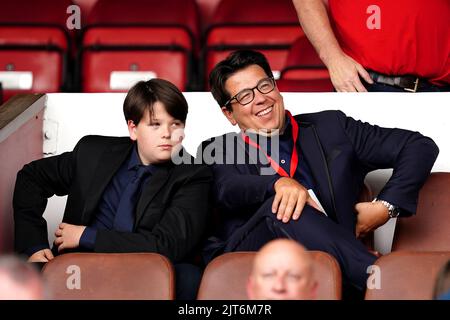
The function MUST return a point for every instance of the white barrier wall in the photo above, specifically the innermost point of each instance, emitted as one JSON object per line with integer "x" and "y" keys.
{"x": 68, "y": 117}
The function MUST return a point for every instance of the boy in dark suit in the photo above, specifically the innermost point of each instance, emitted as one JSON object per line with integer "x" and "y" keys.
{"x": 124, "y": 194}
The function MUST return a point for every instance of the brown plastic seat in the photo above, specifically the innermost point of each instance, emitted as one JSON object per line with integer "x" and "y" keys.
{"x": 408, "y": 275}
{"x": 111, "y": 276}
{"x": 225, "y": 277}
{"x": 429, "y": 229}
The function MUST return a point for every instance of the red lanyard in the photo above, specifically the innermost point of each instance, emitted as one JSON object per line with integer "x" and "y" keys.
{"x": 294, "y": 156}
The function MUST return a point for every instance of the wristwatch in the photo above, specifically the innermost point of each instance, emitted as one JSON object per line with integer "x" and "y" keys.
{"x": 393, "y": 211}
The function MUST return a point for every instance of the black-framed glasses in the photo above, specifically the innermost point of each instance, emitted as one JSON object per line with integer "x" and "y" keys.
{"x": 246, "y": 96}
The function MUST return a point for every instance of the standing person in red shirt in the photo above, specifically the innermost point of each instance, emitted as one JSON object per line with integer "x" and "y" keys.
{"x": 381, "y": 45}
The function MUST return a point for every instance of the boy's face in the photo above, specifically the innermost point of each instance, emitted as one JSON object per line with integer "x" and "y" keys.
{"x": 158, "y": 137}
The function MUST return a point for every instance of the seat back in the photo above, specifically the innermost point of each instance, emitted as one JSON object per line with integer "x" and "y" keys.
{"x": 123, "y": 276}
{"x": 151, "y": 40}
{"x": 305, "y": 85}
{"x": 34, "y": 45}
{"x": 406, "y": 275}
{"x": 304, "y": 71}
{"x": 269, "y": 26}
{"x": 303, "y": 63}
{"x": 225, "y": 277}
{"x": 429, "y": 229}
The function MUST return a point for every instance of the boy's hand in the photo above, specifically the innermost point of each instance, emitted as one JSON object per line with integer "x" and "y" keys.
{"x": 68, "y": 236}
{"x": 44, "y": 255}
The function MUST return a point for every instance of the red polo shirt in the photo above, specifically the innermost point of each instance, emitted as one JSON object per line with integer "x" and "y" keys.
{"x": 396, "y": 37}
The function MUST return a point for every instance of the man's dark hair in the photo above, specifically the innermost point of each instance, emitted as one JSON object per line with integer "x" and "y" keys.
{"x": 236, "y": 61}
{"x": 144, "y": 94}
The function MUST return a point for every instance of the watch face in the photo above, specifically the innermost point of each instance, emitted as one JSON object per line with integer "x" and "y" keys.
{"x": 394, "y": 212}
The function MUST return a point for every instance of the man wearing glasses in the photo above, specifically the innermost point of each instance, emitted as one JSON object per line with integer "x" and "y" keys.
{"x": 317, "y": 164}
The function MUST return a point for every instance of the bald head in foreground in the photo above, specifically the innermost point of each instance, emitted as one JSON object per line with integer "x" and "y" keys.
{"x": 19, "y": 280}
{"x": 282, "y": 270}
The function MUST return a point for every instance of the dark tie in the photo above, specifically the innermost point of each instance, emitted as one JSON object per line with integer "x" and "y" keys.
{"x": 124, "y": 218}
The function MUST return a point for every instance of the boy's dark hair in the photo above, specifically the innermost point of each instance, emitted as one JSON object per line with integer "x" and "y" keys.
{"x": 236, "y": 61}
{"x": 144, "y": 94}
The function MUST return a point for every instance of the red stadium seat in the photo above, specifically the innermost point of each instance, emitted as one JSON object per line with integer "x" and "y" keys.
{"x": 207, "y": 8}
{"x": 153, "y": 39}
{"x": 269, "y": 26}
{"x": 85, "y": 7}
{"x": 304, "y": 71}
{"x": 34, "y": 46}
{"x": 305, "y": 85}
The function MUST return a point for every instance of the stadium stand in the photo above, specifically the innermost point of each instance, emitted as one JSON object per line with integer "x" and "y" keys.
{"x": 126, "y": 276}
{"x": 153, "y": 39}
{"x": 34, "y": 46}
{"x": 225, "y": 277}
{"x": 407, "y": 275}
{"x": 429, "y": 229}
{"x": 270, "y": 26}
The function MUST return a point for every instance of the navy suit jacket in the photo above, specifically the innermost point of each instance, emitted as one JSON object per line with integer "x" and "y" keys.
{"x": 340, "y": 151}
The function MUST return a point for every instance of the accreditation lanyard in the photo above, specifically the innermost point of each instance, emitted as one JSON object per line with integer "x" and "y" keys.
{"x": 294, "y": 156}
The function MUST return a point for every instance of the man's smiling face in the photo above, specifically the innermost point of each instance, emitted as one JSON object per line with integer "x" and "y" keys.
{"x": 265, "y": 112}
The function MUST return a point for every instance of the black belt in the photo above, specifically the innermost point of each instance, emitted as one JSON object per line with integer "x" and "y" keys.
{"x": 407, "y": 83}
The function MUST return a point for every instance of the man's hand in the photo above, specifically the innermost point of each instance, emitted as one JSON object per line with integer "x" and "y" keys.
{"x": 68, "y": 236}
{"x": 345, "y": 72}
{"x": 290, "y": 198}
{"x": 370, "y": 215}
{"x": 44, "y": 255}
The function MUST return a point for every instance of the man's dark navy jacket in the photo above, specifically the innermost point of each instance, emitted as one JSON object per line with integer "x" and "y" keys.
{"x": 339, "y": 151}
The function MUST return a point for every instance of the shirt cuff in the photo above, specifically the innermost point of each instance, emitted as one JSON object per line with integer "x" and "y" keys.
{"x": 87, "y": 239}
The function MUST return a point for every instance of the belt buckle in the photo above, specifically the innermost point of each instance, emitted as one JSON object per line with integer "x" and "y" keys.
{"x": 416, "y": 84}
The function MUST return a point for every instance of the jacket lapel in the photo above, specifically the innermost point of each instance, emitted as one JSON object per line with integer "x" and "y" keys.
{"x": 110, "y": 162}
{"x": 309, "y": 143}
{"x": 156, "y": 182}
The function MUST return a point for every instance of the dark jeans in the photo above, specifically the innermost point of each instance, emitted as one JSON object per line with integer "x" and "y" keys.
{"x": 315, "y": 231}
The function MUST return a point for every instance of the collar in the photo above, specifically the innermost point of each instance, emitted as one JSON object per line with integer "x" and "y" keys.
{"x": 287, "y": 128}
{"x": 133, "y": 160}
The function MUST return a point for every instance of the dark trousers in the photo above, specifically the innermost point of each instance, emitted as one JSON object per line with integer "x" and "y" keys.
{"x": 187, "y": 281}
{"x": 313, "y": 230}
